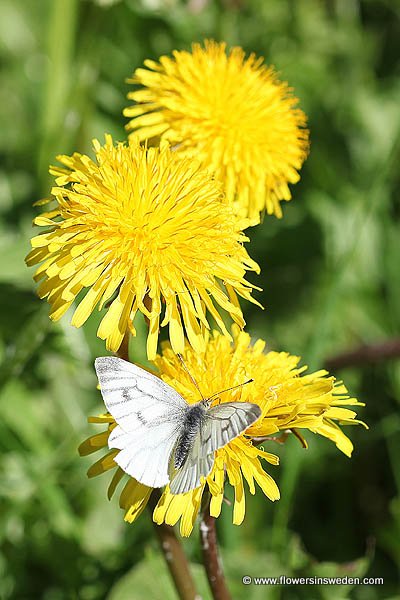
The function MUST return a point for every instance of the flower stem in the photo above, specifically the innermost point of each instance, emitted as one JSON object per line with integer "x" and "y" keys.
{"x": 62, "y": 20}
{"x": 170, "y": 546}
{"x": 211, "y": 558}
{"x": 123, "y": 351}
{"x": 174, "y": 556}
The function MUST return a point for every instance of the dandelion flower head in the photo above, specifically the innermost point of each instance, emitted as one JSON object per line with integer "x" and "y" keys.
{"x": 231, "y": 113}
{"x": 289, "y": 400}
{"x": 141, "y": 230}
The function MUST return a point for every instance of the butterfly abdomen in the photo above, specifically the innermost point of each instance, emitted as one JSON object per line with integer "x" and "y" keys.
{"x": 193, "y": 419}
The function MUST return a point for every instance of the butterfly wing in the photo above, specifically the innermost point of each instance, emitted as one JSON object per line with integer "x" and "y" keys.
{"x": 196, "y": 466}
{"x": 149, "y": 415}
{"x": 221, "y": 424}
{"x": 225, "y": 422}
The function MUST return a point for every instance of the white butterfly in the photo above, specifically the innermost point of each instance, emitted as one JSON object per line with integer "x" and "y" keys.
{"x": 163, "y": 439}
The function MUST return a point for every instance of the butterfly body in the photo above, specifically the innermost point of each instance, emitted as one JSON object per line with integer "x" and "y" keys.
{"x": 193, "y": 420}
{"x": 160, "y": 437}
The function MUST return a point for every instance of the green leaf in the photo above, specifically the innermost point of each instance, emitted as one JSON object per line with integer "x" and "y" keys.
{"x": 150, "y": 579}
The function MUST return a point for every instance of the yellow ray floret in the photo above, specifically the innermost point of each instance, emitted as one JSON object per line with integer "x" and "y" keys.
{"x": 232, "y": 114}
{"x": 289, "y": 400}
{"x": 143, "y": 230}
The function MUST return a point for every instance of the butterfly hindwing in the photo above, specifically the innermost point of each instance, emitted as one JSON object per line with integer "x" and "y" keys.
{"x": 145, "y": 456}
{"x": 149, "y": 415}
{"x": 196, "y": 466}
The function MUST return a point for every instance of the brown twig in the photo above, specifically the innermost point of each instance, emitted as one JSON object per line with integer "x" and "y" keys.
{"x": 365, "y": 354}
{"x": 174, "y": 555}
{"x": 211, "y": 558}
{"x": 256, "y": 441}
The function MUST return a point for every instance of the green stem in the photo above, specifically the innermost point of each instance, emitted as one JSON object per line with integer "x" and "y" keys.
{"x": 61, "y": 31}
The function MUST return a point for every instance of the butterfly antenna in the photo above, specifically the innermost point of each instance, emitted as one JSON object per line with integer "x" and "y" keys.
{"x": 231, "y": 388}
{"x": 192, "y": 379}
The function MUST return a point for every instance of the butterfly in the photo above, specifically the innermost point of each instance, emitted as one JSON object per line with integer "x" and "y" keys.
{"x": 160, "y": 437}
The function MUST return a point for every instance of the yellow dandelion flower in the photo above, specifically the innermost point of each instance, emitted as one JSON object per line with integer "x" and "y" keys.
{"x": 288, "y": 399}
{"x": 141, "y": 230}
{"x": 230, "y": 112}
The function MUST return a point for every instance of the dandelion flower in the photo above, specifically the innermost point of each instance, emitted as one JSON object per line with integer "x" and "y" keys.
{"x": 230, "y": 112}
{"x": 288, "y": 399}
{"x": 141, "y": 230}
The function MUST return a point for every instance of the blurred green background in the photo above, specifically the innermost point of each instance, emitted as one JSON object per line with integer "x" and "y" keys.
{"x": 330, "y": 274}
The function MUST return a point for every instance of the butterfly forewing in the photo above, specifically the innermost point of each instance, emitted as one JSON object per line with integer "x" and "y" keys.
{"x": 220, "y": 425}
{"x": 149, "y": 415}
{"x": 225, "y": 422}
{"x": 128, "y": 390}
